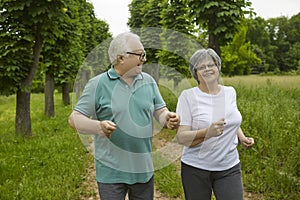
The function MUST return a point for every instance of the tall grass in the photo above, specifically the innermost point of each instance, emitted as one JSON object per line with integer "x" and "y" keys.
{"x": 271, "y": 114}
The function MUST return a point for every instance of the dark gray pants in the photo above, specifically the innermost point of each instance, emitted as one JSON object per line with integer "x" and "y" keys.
{"x": 198, "y": 184}
{"x": 118, "y": 191}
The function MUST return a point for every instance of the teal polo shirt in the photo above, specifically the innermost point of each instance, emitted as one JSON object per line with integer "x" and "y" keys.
{"x": 125, "y": 157}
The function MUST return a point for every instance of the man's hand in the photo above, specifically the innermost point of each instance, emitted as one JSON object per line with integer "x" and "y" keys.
{"x": 107, "y": 127}
{"x": 172, "y": 120}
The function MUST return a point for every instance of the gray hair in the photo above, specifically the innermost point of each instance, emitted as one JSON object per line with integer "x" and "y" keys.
{"x": 200, "y": 56}
{"x": 119, "y": 45}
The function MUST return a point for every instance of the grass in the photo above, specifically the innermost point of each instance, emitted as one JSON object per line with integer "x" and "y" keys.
{"x": 53, "y": 163}
{"x": 271, "y": 115}
{"x": 49, "y": 165}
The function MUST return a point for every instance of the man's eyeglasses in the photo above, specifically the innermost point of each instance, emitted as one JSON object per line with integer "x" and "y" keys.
{"x": 142, "y": 56}
{"x": 203, "y": 67}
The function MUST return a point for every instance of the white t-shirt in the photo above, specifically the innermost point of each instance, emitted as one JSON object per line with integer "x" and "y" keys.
{"x": 199, "y": 110}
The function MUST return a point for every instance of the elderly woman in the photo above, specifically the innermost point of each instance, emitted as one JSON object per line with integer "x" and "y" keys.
{"x": 210, "y": 131}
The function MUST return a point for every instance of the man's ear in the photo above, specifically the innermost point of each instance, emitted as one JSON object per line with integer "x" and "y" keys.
{"x": 120, "y": 59}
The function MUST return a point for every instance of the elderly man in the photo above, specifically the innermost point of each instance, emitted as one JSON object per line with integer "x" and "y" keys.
{"x": 118, "y": 107}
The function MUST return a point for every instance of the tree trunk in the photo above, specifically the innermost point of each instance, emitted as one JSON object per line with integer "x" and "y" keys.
{"x": 23, "y": 122}
{"x": 213, "y": 40}
{"x": 214, "y": 43}
{"x": 23, "y": 119}
{"x": 66, "y": 93}
{"x": 49, "y": 94}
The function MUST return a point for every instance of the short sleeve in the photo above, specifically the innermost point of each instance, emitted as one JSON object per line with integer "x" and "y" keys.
{"x": 158, "y": 100}
{"x": 233, "y": 96}
{"x": 87, "y": 102}
{"x": 183, "y": 110}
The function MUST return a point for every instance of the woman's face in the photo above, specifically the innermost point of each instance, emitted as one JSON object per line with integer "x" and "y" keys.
{"x": 207, "y": 72}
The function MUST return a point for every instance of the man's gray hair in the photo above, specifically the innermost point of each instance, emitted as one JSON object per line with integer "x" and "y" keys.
{"x": 119, "y": 45}
{"x": 200, "y": 56}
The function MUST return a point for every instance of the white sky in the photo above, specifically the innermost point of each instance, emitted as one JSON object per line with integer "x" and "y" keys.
{"x": 116, "y": 13}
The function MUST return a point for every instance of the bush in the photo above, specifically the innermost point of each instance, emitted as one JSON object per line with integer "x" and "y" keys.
{"x": 169, "y": 97}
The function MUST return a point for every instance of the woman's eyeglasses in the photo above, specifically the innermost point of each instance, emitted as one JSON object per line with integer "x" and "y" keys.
{"x": 203, "y": 67}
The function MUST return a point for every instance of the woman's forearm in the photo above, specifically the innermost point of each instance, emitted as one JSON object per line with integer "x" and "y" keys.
{"x": 191, "y": 138}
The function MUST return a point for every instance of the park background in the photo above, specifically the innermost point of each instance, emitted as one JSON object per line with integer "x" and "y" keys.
{"x": 44, "y": 46}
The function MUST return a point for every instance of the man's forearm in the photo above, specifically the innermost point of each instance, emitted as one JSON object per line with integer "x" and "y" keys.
{"x": 83, "y": 124}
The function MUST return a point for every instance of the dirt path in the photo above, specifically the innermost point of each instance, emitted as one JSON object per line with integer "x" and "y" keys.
{"x": 91, "y": 184}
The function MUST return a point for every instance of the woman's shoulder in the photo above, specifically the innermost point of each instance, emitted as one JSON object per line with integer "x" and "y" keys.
{"x": 229, "y": 88}
{"x": 189, "y": 91}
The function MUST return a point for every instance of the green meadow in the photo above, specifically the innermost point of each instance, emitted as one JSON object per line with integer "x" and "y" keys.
{"x": 53, "y": 163}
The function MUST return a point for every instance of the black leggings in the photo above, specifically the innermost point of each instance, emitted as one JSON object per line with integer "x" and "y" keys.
{"x": 198, "y": 184}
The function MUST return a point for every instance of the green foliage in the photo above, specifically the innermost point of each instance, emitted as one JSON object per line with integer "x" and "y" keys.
{"x": 49, "y": 165}
{"x": 23, "y": 25}
{"x": 177, "y": 29}
{"x": 136, "y": 14}
{"x": 169, "y": 97}
{"x": 237, "y": 57}
{"x": 219, "y": 18}
{"x": 150, "y": 37}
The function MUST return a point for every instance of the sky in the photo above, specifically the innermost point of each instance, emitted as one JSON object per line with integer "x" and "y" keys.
{"x": 116, "y": 13}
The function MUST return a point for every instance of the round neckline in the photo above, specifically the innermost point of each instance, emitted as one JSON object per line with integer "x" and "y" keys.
{"x": 208, "y": 94}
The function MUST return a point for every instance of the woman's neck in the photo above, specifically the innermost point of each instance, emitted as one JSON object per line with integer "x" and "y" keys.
{"x": 209, "y": 89}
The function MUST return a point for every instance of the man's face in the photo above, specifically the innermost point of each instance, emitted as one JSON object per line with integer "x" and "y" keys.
{"x": 135, "y": 58}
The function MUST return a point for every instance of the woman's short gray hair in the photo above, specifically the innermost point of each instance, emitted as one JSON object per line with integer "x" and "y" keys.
{"x": 200, "y": 56}
{"x": 119, "y": 45}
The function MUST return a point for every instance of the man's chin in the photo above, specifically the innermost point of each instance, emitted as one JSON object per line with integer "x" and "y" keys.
{"x": 138, "y": 70}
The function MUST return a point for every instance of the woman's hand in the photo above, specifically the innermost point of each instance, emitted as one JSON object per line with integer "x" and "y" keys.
{"x": 247, "y": 142}
{"x": 216, "y": 129}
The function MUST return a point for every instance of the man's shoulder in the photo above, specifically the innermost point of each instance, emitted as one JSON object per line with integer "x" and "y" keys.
{"x": 100, "y": 77}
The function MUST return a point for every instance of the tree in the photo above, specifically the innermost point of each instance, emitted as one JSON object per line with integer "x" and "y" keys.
{"x": 237, "y": 57}
{"x": 64, "y": 57}
{"x": 177, "y": 30}
{"x": 291, "y": 59}
{"x": 278, "y": 28}
{"x": 150, "y": 35}
{"x": 136, "y": 8}
{"x": 259, "y": 37}
{"x": 25, "y": 25}
{"x": 220, "y": 18}
{"x": 61, "y": 55}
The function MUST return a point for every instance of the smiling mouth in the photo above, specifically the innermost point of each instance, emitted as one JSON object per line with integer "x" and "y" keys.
{"x": 208, "y": 74}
